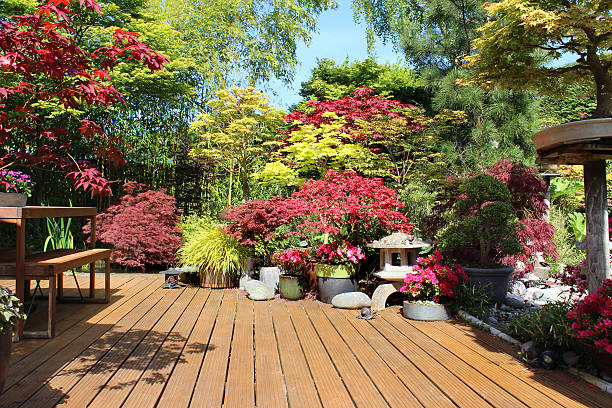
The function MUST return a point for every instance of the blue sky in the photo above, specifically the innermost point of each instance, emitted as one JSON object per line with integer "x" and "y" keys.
{"x": 338, "y": 37}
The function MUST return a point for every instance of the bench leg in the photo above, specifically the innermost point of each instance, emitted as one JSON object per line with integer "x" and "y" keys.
{"x": 107, "y": 280}
{"x": 26, "y": 289}
{"x": 92, "y": 280}
{"x": 51, "y": 314}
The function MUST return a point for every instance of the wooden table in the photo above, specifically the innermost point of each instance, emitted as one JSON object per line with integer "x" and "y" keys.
{"x": 18, "y": 216}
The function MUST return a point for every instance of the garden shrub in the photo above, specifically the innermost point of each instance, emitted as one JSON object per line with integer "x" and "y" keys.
{"x": 548, "y": 327}
{"x": 141, "y": 227}
{"x": 472, "y": 299}
{"x": 592, "y": 317}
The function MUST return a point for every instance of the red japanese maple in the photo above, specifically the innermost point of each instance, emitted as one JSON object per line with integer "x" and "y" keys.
{"x": 348, "y": 207}
{"x": 362, "y": 105}
{"x": 41, "y": 63}
{"x": 142, "y": 227}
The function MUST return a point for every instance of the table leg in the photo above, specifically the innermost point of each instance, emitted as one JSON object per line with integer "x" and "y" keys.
{"x": 107, "y": 280}
{"x": 51, "y": 312}
{"x": 20, "y": 270}
{"x": 60, "y": 285}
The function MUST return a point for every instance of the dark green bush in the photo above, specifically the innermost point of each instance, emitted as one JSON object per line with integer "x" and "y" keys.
{"x": 473, "y": 299}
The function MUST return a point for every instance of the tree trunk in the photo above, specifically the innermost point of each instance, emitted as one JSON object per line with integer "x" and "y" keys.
{"x": 244, "y": 182}
{"x": 603, "y": 84}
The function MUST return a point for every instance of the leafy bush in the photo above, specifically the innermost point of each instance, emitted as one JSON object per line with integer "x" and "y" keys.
{"x": 213, "y": 251}
{"x": 9, "y": 310}
{"x": 473, "y": 299}
{"x": 142, "y": 227}
{"x": 549, "y": 327}
{"x": 482, "y": 226}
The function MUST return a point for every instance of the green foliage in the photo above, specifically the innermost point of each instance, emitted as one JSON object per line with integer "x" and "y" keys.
{"x": 565, "y": 240}
{"x": 549, "y": 327}
{"x": 233, "y": 133}
{"x": 577, "y": 102}
{"x": 212, "y": 250}
{"x": 482, "y": 220}
{"x": 577, "y": 224}
{"x": 331, "y": 81}
{"x": 9, "y": 310}
{"x": 60, "y": 236}
{"x": 472, "y": 299}
{"x": 567, "y": 193}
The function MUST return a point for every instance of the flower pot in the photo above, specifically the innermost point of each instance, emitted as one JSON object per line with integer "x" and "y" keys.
{"x": 291, "y": 287}
{"x": 13, "y": 200}
{"x": 335, "y": 279}
{"x": 335, "y": 271}
{"x": 494, "y": 280}
{"x": 217, "y": 280}
{"x": 426, "y": 311}
{"x": 270, "y": 275}
{"x": 6, "y": 340}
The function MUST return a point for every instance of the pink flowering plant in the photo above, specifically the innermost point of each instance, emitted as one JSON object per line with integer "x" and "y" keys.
{"x": 592, "y": 317}
{"x": 339, "y": 254}
{"x": 293, "y": 261}
{"x": 15, "y": 182}
{"x": 432, "y": 280}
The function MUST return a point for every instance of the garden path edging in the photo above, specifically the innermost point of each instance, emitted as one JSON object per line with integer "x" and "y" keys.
{"x": 598, "y": 382}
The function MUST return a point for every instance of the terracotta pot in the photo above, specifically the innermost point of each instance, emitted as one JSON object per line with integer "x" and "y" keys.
{"x": 426, "y": 311}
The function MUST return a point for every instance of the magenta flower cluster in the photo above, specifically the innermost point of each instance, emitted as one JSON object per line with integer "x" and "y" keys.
{"x": 431, "y": 279}
{"x": 336, "y": 253}
{"x": 593, "y": 317}
{"x": 292, "y": 260}
{"x": 15, "y": 182}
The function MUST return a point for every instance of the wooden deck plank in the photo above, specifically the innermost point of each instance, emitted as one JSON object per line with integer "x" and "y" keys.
{"x": 425, "y": 391}
{"x": 269, "y": 383}
{"x": 505, "y": 379}
{"x": 240, "y": 384}
{"x": 301, "y": 390}
{"x": 94, "y": 338}
{"x": 390, "y": 386}
{"x": 362, "y": 390}
{"x": 210, "y": 386}
{"x": 121, "y": 383}
{"x": 329, "y": 385}
{"x": 151, "y": 384}
{"x": 94, "y": 356}
{"x": 179, "y": 388}
{"x": 88, "y": 386}
{"x": 487, "y": 389}
{"x": 69, "y": 316}
{"x": 563, "y": 387}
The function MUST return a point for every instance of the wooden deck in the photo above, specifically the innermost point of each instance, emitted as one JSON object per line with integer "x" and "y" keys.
{"x": 212, "y": 348}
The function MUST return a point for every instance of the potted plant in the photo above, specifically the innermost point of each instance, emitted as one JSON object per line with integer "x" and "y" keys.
{"x": 9, "y": 314}
{"x": 481, "y": 228}
{"x": 15, "y": 188}
{"x": 592, "y": 323}
{"x": 338, "y": 215}
{"x": 220, "y": 257}
{"x": 293, "y": 263}
{"x": 429, "y": 288}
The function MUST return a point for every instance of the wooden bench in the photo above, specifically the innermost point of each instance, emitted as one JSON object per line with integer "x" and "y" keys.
{"x": 51, "y": 266}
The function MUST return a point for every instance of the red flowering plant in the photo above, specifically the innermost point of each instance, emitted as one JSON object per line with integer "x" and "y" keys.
{"x": 593, "y": 317}
{"x": 345, "y": 211}
{"x": 432, "y": 280}
{"x": 292, "y": 261}
{"x": 574, "y": 277}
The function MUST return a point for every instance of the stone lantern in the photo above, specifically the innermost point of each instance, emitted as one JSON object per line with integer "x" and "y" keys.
{"x": 398, "y": 252}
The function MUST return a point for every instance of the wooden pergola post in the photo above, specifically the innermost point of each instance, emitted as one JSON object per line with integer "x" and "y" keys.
{"x": 597, "y": 238}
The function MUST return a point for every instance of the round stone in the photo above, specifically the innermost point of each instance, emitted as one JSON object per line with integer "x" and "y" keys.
{"x": 351, "y": 300}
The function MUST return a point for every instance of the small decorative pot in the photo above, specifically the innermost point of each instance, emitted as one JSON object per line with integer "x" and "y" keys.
{"x": 13, "y": 200}
{"x": 426, "y": 311}
{"x": 6, "y": 340}
{"x": 291, "y": 287}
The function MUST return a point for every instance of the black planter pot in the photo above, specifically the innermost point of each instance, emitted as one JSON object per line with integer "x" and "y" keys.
{"x": 6, "y": 340}
{"x": 494, "y": 280}
{"x": 330, "y": 287}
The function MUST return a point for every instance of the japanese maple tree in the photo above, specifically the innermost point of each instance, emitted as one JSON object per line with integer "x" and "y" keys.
{"x": 348, "y": 207}
{"x": 42, "y": 71}
{"x": 142, "y": 227}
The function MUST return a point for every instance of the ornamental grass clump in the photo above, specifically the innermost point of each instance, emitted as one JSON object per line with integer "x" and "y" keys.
{"x": 432, "y": 280}
{"x": 592, "y": 317}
